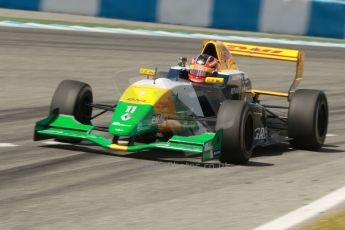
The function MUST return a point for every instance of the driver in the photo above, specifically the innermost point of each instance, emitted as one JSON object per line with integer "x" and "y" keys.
{"x": 201, "y": 67}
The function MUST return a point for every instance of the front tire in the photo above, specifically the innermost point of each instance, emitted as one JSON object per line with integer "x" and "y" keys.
{"x": 72, "y": 98}
{"x": 308, "y": 119}
{"x": 236, "y": 120}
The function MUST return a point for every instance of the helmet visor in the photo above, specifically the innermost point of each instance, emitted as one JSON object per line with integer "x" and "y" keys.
{"x": 200, "y": 71}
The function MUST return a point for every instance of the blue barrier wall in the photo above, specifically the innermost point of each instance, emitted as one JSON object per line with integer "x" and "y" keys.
{"x": 21, "y": 4}
{"x": 327, "y": 19}
{"x": 236, "y": 15}
{"x": 137, "y": 10}
{"x": 324, "y": 18}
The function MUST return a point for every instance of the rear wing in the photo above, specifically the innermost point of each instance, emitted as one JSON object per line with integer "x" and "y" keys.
{"x": 271, "y": 53}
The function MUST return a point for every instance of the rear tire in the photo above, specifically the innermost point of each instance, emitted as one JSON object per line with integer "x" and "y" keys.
{"x": 308, "y": 119}
{"x": 236, "y": 120}
{"x": 71, "y": 98}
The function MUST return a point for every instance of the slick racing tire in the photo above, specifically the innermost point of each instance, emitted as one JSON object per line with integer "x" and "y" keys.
{"x": 236, "y": 120}
{"x": 308, "y": 119}
{"x": 71, "y": 98}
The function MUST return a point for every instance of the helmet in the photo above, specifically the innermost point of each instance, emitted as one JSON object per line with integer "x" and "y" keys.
{"x": 201, "y": 67}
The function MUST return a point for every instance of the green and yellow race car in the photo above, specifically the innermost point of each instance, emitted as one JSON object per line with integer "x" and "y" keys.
{"x": 207, "y": 108}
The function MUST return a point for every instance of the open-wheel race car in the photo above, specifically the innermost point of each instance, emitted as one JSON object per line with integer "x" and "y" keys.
{"x": 207, "y": 108}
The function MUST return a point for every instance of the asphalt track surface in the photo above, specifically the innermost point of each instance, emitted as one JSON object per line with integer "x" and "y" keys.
{"x": 45, "y": 186}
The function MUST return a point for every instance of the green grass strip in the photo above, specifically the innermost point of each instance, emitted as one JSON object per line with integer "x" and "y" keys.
{"x": 330, "y": 222}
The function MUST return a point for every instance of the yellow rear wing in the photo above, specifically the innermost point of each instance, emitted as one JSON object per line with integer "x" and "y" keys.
{"x": 262, "y": 52}
{"x": 271, "y": 53}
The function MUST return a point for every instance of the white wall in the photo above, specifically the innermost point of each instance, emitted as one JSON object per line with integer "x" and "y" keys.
{"x": 191, "y": 12}
{"x": 82, "y": 7}
{"x": 284, "y": 16}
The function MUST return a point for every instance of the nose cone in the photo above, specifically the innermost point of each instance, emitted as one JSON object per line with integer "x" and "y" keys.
{"x": 132, "y": 119}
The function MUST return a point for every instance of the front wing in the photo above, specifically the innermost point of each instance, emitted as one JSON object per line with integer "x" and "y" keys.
{"x": 206, "y": 145}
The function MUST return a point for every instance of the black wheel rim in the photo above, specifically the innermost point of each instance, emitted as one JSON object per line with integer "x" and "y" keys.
{"x": 83, "y": 111}
{"x": 248, "y": 134}
{"x": 322, "y": 120}
{"x": 86, "y": 110}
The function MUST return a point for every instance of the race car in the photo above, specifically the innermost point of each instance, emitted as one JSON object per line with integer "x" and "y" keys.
{"x": 215, "y": 115}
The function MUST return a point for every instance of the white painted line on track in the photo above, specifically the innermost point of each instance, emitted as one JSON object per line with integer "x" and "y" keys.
{"x": 331, "y": 135}
{"x": 3, "y": 145}
{"x": 306, "y": 212}
{"x": 169, "y": 34}
{"x": 53, "y": 143}
{"x": 83, "y": 142}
